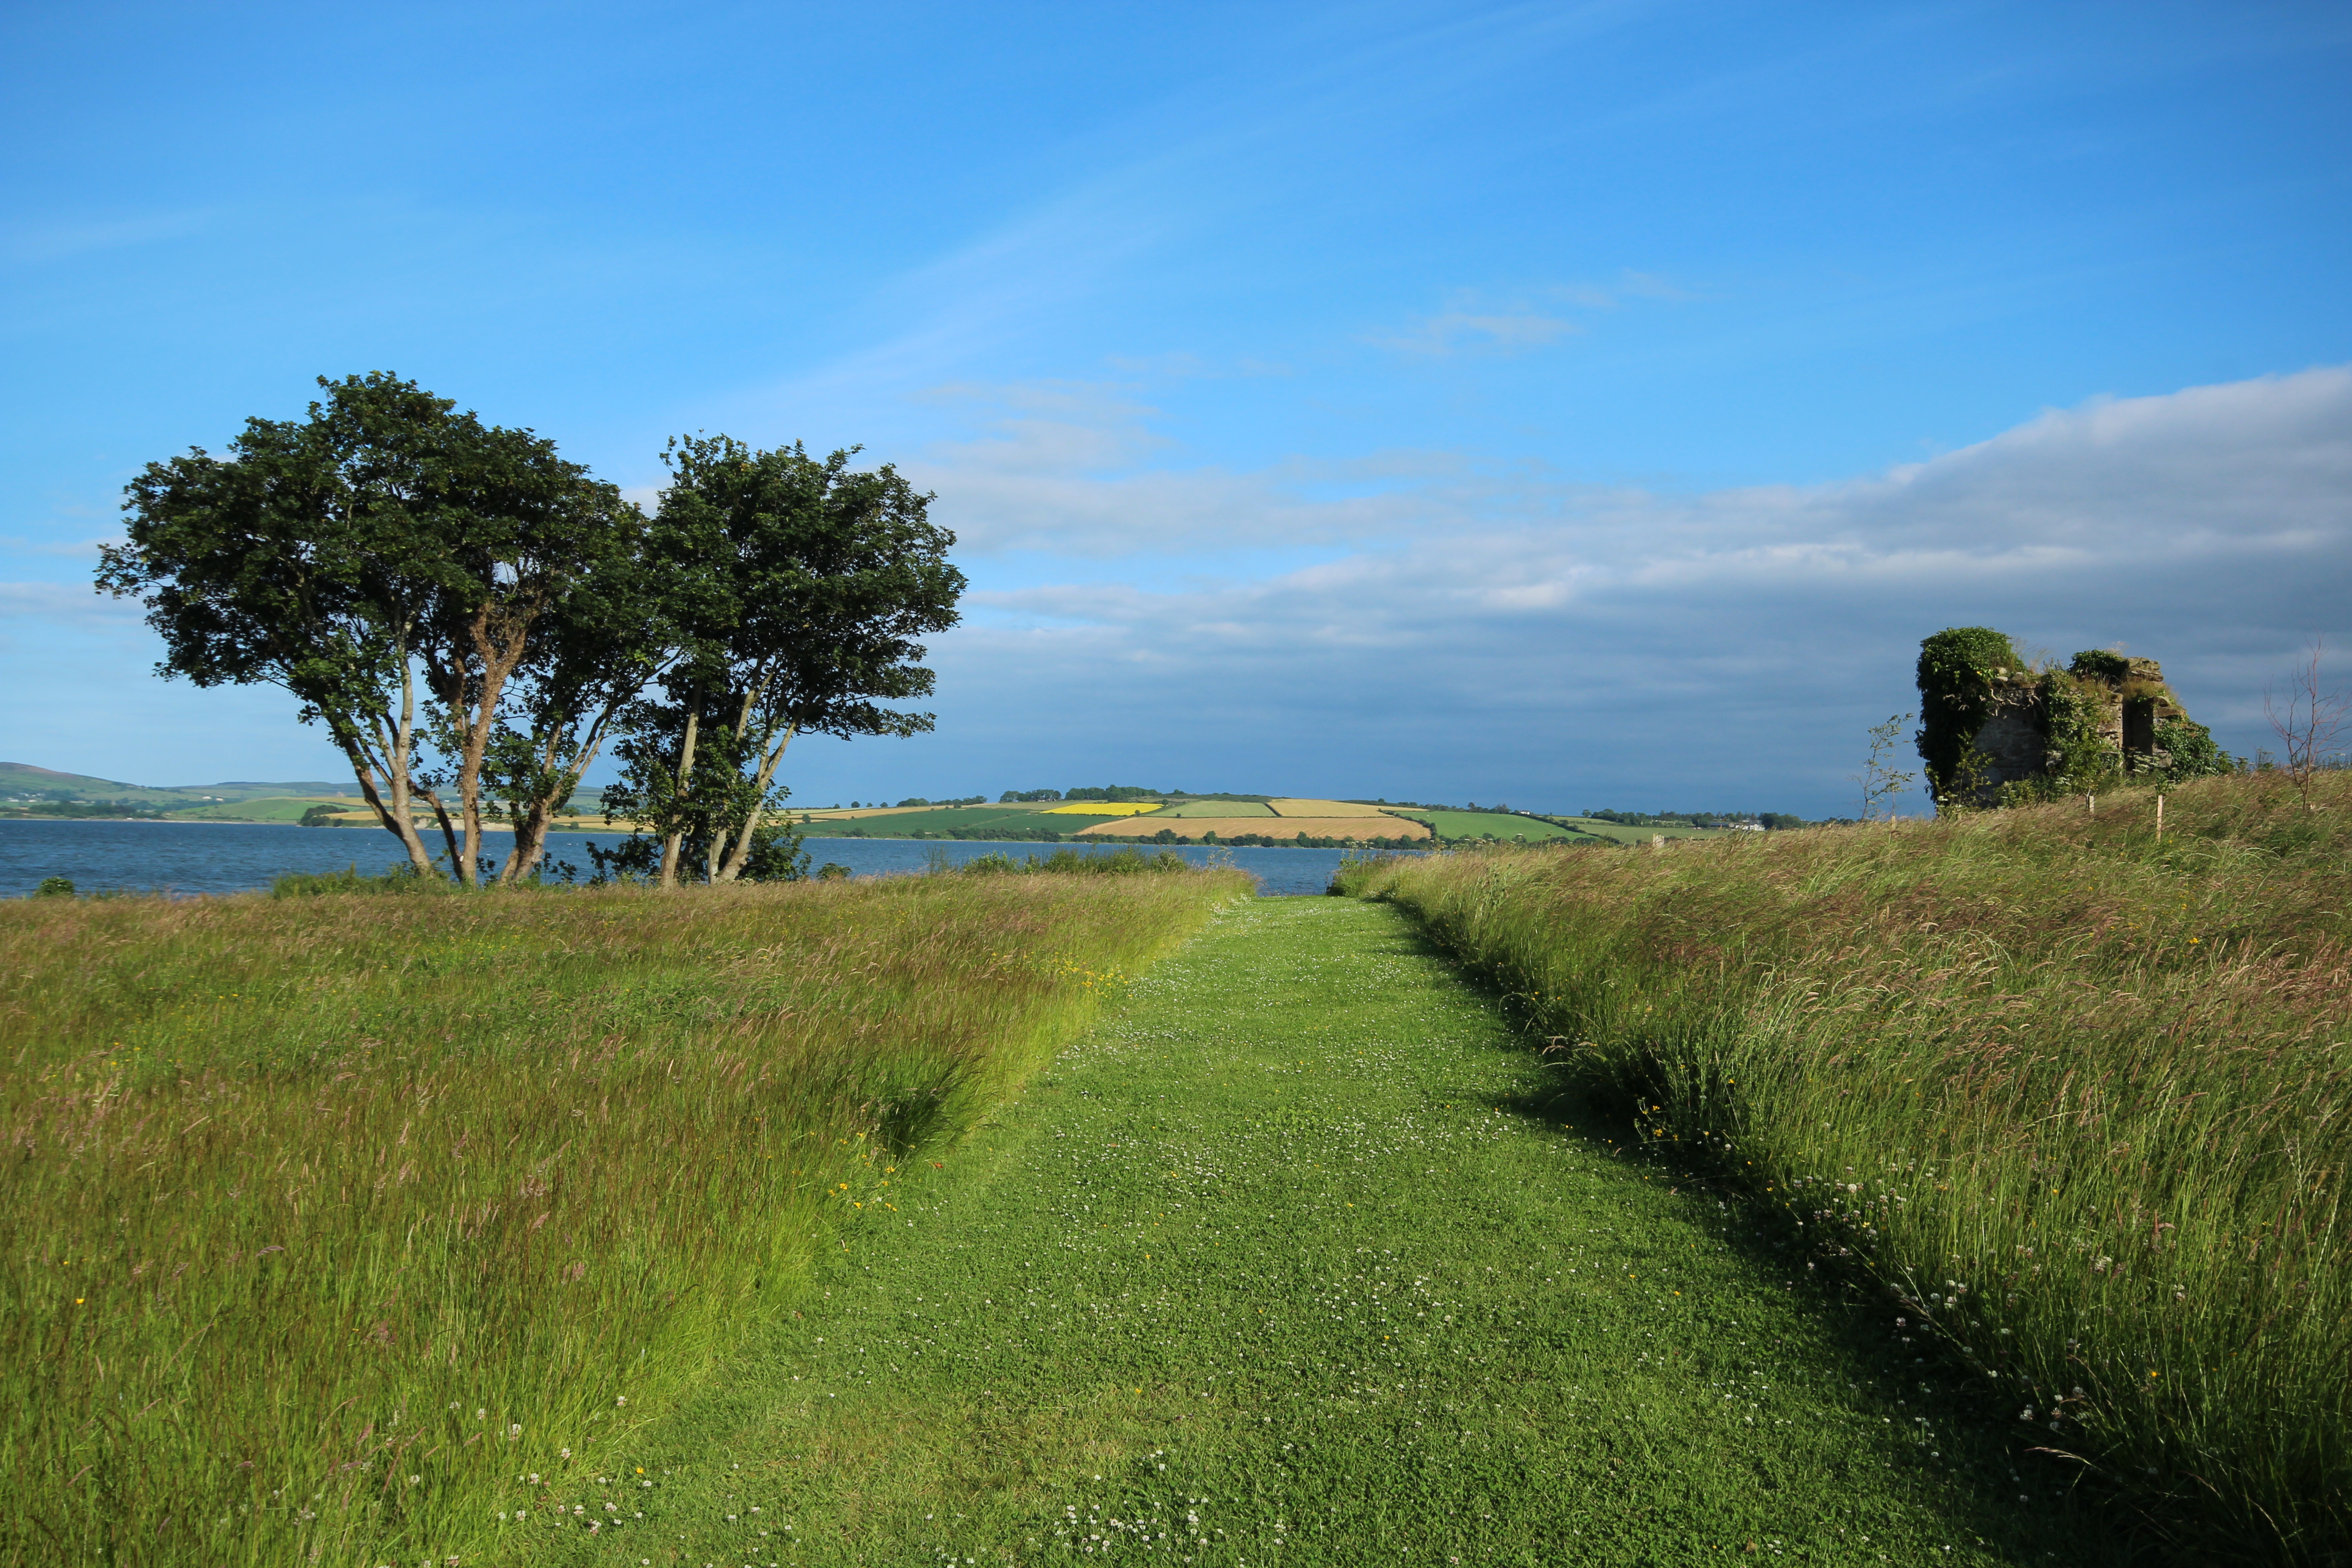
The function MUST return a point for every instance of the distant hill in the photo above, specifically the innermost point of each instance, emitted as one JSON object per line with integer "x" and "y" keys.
{"x": 24, "y": 782}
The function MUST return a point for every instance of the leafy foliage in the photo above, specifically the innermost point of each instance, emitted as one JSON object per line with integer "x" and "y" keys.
{"x": 810, "y": 582}
{"x": 1954, "y": 673}
{"x": 2188, "y": 751}
{"x": 2073, "y": 704}
{"x": 474, "y": 619}
{"x": 386, "y": 543}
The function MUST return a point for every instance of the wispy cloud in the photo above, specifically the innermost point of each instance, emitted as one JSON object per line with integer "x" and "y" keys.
{"x": 1727, "y": 636}
{"x": 72, "y": 549}
{"x": 38, "y": 606}
{"x": 63, "y": 239}
{"x": 1476, "y": 320}
{"x": 1510, "y": 331}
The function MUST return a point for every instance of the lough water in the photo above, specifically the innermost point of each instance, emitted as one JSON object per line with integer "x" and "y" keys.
{"x": 183, "y": 857}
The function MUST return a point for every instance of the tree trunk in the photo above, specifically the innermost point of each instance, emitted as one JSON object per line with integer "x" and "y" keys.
{"x": 396, "y": 743}
{"x": 499, "y": 657}
{"x": 675, "y": 836}
{"x": 395, "y": 818}
{"x": 740, "y": 852}
{"x": 531, "y": 823}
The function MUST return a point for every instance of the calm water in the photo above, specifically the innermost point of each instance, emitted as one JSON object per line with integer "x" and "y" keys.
{"x": 236, "y": 858}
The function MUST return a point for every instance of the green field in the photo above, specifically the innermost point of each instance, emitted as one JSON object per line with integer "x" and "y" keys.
{"x": 941, "y": 821}
{"x": 331, "y": 1217}
{"x": 1619, "y": 833}
{"x": 1302, "y": 1259}
{"x": 1216, "y": 809}
{"x": 2074, "y": 1095}
{"x": 1481, "y": 824}
{"x": 745, "y": 1224}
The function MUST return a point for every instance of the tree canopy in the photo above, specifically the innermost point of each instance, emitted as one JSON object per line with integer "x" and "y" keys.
{"x": 812, "y": 582}
{"x": 474, "y": 619}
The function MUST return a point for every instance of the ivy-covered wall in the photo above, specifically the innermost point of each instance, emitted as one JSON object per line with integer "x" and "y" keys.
{"x": 1995, "y": 730}
{"x": 1957, "y": 670}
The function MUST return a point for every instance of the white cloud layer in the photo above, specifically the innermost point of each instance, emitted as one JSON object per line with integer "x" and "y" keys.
{"x": 1475, "y": 630}
{"x": 1722, "y": 646}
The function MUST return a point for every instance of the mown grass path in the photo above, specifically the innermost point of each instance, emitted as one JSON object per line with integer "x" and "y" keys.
{"x": 1298, "y": 1260}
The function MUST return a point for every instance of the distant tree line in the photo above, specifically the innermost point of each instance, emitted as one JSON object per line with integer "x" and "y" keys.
{"x": 474, "y": 619}
{"x": 78, "y": 809}
{"x": 1775, "y": 820}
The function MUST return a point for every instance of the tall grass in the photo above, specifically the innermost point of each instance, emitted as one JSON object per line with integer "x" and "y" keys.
{"x": 1124, "y": 861}
{"x": 329, "y": 1218}
{"x": 2079, "y": 1098}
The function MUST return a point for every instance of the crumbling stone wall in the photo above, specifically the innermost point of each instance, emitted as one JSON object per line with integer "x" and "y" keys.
{"x": 1999, "y": 731}
{"x": 2014, "y": 742}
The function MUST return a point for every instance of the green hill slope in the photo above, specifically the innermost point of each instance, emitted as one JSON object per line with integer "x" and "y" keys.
{"x": 23, "y": 781}
{"x": 943, "y": 822}
{"x": 1494, "y": 824}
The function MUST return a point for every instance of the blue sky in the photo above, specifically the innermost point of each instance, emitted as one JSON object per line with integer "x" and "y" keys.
{"x": 1570, "y": 404}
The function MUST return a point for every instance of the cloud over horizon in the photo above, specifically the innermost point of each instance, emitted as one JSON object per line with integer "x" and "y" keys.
{"x": 1735, "y": 639}
{"x": 1444, "y": 623}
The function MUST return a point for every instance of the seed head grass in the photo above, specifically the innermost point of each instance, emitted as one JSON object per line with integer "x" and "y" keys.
{"x": 1299, "y": 1257}
{"x": 2075, "y": 1097}
{"x": 330, "y": 1217}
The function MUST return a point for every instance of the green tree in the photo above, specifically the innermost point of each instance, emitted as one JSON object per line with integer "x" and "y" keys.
{"x": 291, "y": 561}
{"x": 809, "y": 583}
{"x": 599, "y": 642}
{"x": 1955, "y": 674}
{"x": 396, "y": 566}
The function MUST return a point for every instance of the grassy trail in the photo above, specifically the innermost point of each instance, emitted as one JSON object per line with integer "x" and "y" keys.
{"x": 1296, "y": 1260}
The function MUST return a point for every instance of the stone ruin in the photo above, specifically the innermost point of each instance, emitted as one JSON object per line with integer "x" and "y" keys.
{"x": 2127, "y": 701}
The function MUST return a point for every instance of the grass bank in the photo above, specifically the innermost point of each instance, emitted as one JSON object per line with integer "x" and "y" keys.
{"x": 2076, "y": 1096}
{"x": 1301, "y": 1258}
{"x": 329, "y": 1218}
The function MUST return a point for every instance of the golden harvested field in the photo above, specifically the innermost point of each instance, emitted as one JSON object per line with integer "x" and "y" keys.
{"x": 1216, "y": 809}
{"x": 1376, "y": 826}
{"x": 1103, "y": 808}
{"x": 1325, "y": 808}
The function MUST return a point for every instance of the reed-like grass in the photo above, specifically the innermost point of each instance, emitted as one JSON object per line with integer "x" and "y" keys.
{"x": 329, "y": 1219}
{"x": 2079, "y": 1098}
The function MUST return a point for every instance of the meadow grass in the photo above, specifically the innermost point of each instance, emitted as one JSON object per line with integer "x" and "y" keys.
{"x": 2076, "y": 1097}
{"x": 329, "y": 1218}
{"x": 1300, "y": 1258}
{"x": 1480, "y": 823}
